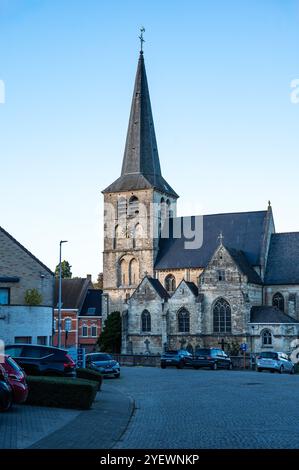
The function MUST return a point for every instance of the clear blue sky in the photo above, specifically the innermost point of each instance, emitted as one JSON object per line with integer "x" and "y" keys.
{"x": 219, "y": 73}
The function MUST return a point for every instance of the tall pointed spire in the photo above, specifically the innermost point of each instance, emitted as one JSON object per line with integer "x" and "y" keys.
{"x": 141, "y": 166}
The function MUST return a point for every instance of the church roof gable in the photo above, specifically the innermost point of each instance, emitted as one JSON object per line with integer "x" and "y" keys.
{"x": 243, "y": 231}
{"x": 283, "y": 259}
{"x": 268, "y": 314}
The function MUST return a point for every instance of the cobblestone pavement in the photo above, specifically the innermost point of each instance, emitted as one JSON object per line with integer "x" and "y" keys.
{"x": 23, "y": 425}
{"x": 210, "y": 409}
{"x": 53, "y": 428}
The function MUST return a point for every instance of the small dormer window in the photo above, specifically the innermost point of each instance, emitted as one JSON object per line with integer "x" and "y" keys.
{"x": 221, "y": 275}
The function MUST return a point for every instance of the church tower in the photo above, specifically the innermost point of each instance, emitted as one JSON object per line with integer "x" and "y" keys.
{"x": 136, "y": 204}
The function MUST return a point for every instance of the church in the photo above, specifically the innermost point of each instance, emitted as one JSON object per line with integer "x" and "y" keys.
{"x": 181, "y": 282}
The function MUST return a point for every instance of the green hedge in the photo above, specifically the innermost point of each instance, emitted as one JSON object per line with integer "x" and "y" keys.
{"x": 90, "y": 374}
{"x": 61, "y": 392}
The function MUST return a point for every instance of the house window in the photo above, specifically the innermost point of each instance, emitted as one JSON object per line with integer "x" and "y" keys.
{"x": 23, "y": 339}
{"x": 91, "y": 311}
{"x": 133, "y": 272}
{"x": 4, "y": 296}
{"x": 84, "y": 330}
{"x": 222, "y": 317}
{"x": 94, "y": 331}
{"x": 68, "y": 324}
{"x": 42, "y": 340}
{"x": 184, "y": 321}
{"x": 146, "y": 321}
{"x": 170, "y": 284}
{"x": 267, "y": 338}
{"x": 221, "y": 275}
{"x": 278, "y": 301}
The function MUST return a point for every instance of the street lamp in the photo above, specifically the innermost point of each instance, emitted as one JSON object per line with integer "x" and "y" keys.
{"x": 59, "y": 294}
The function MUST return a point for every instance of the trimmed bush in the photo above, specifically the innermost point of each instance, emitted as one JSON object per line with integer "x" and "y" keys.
{"x": 90, "y": 374}
{"x": 61, "y": 392}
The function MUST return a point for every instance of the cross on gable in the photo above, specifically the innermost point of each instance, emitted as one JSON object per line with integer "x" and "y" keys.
{"x": 221, "y": 238}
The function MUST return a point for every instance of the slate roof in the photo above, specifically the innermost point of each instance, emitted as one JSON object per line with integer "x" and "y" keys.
{"x": 265, "y": 314}
{"x": 73, "y": 292}
{"x": 242, "y": 231}
{"x": 93, "y": 299}
{"x": 192, "y": 287}
{"x": 242, "y": 262}
{"x": 26, "y": 251}
{"x": 158, "y": 287}
{"x": 141, "y": 166}
{"x": 283, "y": 259}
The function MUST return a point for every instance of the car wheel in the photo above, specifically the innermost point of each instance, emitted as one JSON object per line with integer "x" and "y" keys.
{"x": 6, "y": 404}
{"x": 258, "y": 369}
{"x": 196, "y": 367}
{"x": 117, "y": 376}
{"x": 180, "y": 365}
{"x": 230, "y": 366}
{"x": 272, "y": 371}
{"x": 281, "y": 370}
{"x": 214, "y": 366}
{"x": 163, "y": 366}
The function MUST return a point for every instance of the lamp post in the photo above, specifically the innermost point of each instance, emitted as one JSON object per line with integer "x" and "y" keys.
{"x": 59, "y": 294}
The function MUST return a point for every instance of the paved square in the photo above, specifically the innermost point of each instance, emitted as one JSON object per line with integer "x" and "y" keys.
{"x": 211, "y": 409}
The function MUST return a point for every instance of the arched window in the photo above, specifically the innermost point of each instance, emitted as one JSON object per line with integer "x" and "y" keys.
{"x": 184, "y": 321}
{"x": 169, "y": 210}
{"x": 121, "y": 207}
{"x": 170, "y": 283}
{"x": 137, "y": 236}
{"x": 117, "y": 236}
{"x": 146, "y": 321}
{"x": 133, "y": 209}
{"x": 163, "y": 208}
{"x": 68, "y": 324}
{"x": 122, "y": 273}
{"x": 222, "y": 317}
{"x": 278, "y": 301}
{"x": 267, "y": 338}
{"x": 133, "y": 272}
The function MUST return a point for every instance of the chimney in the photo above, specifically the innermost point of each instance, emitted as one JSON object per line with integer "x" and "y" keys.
{"x": 88, "y": 277}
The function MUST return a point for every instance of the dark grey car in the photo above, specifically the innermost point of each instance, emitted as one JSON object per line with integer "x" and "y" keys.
{"x": 103, "y": 363}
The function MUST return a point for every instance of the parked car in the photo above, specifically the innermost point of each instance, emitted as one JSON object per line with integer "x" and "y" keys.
{"x": 103, "y": 363}
{"x": 213, "y": 358}
{"x": 17, "y": 380}
{"x": 42, "y": 360}
{"x": 274, "y": 362}
{"x": 178, "y": 358}
{"x": 6, "y": 395}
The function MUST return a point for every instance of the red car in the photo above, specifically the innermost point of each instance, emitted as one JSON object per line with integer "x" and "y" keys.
{"x": 17, "y": 380}
{"x": 6, "y": 395}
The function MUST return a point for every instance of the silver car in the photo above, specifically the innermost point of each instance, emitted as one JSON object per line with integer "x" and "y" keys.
{"x": 275, "y": 362}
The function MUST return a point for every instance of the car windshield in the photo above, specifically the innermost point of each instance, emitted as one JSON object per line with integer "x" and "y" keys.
{"x": 269, "y": 355}
{"x": 203, "y": 352}
{"x": 101, "y": 357}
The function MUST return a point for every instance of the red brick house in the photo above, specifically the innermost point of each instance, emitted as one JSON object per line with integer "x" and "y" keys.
{"x": 81, "y": 313}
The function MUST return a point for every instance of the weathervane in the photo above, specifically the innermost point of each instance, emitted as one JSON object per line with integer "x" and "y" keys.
{"x": 142, "y": 30}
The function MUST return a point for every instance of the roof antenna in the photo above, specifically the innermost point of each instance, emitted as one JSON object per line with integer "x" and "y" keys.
{"x": 142, "y": 30}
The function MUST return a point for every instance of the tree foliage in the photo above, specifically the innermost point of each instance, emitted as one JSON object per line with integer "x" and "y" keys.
{"x": 99, "y": 283}
{"x": 110, "y": 338}
{"x": 33, "y": 297}
{"x": 66, "y": 272}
